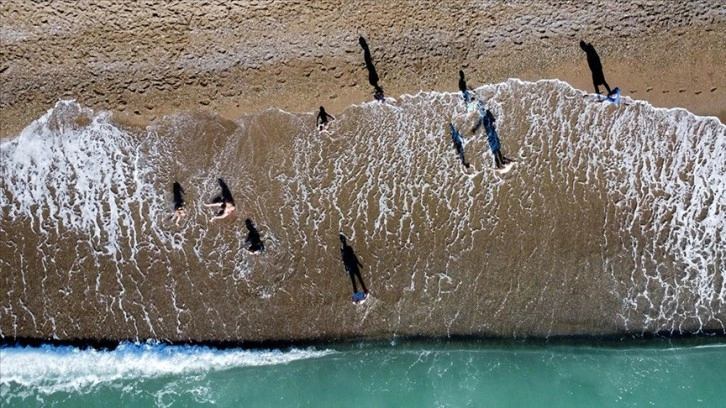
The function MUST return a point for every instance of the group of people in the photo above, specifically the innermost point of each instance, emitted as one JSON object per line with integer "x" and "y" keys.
{"x": 225, "y": 203}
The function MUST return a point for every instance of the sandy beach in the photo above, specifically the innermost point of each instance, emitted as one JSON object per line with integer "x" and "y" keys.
{"x": 146, "y": 59}
{"x": 605, "y": 227}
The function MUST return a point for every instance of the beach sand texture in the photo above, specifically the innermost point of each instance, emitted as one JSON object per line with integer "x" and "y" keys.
{"x": 147, "y": 58}
{"x": 609, "y": 223}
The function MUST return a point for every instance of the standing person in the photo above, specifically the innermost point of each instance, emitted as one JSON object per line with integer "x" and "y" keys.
{"x": 179, "y": 207}
{"x": 224, "y": 201}
{"x": 351, "y": 263}
{"x": 323, "y": 117}
{"x": 593, "y": 61}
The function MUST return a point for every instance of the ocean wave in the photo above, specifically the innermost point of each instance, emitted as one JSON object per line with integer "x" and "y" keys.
{"x": 53, "y": 369}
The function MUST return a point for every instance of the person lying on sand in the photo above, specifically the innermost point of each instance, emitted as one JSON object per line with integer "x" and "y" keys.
{"x": 179, "y": 210}
{"x": 225, "y": 202}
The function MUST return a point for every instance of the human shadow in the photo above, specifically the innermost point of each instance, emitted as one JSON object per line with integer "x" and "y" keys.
{"x": 253, "y": 241}
{"x": 486, "y": 119}
{"x": 464, "y": 88}
{"x": 593, "y": 61}
{"x": 458, "y": 144}
{"x": 372, "y": 74}
{"x": 352, "y": 264}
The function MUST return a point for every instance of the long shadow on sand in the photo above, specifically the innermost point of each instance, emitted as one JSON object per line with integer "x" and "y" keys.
{"x": 593, "y": 61}
{"x": 253, "y": 241}
{"x": 352, "y": 264}
{"x": 372, "y": 74}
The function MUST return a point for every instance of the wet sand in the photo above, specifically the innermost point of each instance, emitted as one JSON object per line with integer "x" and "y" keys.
{"x": 147, "y": 59}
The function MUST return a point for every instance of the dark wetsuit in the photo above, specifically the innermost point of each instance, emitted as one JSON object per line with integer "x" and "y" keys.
{"x": 178, "y": 197}
{"x": 323, "y": 118}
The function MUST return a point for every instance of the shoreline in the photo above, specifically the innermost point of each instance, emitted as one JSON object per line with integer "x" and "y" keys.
{"x": 606, "y": 340}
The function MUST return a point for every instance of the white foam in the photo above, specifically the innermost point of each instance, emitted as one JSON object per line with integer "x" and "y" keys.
{"x": 83, "y": 178}
{"x": 51, "y": 369}
{"x": 389, "y": 175}
{"x": 665, "y": 177}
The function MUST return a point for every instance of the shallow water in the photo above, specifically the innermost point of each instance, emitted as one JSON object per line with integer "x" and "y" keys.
{"x": 457, "y": 374}
{"x": 612, "y": 221}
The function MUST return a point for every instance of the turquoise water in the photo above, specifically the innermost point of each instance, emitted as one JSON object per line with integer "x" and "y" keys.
{"x": 654, "y": 373}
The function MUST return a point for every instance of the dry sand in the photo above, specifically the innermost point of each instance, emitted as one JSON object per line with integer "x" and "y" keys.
{"x": 145, "y": 59}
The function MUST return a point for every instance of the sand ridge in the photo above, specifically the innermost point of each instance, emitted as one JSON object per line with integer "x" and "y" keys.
{"x": 146, "y": 59}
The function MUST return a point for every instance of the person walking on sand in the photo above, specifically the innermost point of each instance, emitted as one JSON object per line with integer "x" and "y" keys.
{"x": 593, "y": 61}
{"x": 322, "y": 120}
{"x": 224, "y": 201}
{"x": 372, "y": 73}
